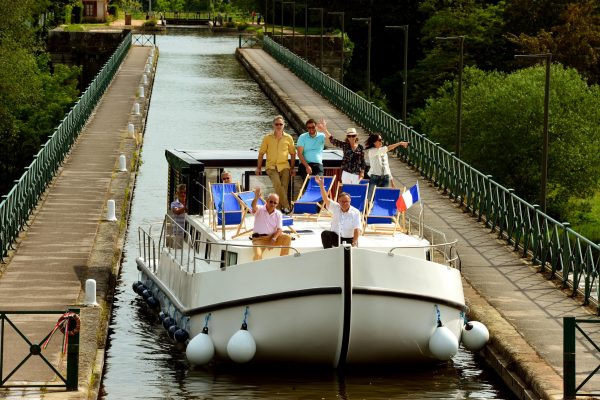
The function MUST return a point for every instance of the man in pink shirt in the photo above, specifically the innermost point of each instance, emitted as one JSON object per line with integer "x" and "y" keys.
{"x": 268, "y": 226}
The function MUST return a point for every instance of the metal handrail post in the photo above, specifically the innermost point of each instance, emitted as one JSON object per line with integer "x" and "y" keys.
{"x": 72, "y": 382}
{"x": 569, "y": 357}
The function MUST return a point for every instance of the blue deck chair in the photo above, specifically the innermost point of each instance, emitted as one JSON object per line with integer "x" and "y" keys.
{"x": 382, "y": 214}
{"x": 225, "y": 205}
{"x": 246, "y": 199}
{"x": 309, "y": 202}
{"x": 358, "y": 195}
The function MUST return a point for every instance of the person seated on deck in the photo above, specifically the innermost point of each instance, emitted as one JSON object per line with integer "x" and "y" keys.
{"x": 178, "y": 210}
{"x": 345, "y": 224}
{"x": 226, "y": 177}
{"x": 268, "y": 226}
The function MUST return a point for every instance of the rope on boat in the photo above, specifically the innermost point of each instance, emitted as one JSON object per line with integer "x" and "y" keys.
{"x": 439, "y": 316}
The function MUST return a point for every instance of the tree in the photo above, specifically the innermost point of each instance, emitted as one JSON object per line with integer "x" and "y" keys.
{"x": 573, "y": 42}
{"x": 502, "y": 130}
{"x": 32, "y": 99}
{"x": 484, "y": 44}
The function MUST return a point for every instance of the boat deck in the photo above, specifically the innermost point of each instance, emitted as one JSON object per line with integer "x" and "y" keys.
{"x": 306, "y": 234}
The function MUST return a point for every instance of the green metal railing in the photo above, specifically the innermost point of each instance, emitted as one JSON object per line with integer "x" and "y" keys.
{"x": 551, "y": 244}
{"x": 570, "y": 387}
{"x": 18, "y": 204}
{"x": 70, "y": 381}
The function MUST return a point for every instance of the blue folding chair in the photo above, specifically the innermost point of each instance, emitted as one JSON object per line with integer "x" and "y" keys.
{"x": 309, "y": 203}
{"x": 382, "y": 215}
{"x": 226, "y": 206}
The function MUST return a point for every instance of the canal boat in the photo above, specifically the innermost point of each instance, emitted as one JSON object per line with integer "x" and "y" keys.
{"x": 395, "y": 298}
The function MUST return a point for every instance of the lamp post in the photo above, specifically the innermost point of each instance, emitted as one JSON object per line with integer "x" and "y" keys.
{"x": 368, "y": 54}
{"x": 305, "y": 30}
{"x": 266, "y": 13}
{"x": 281, "y": 36}
{"x": 544, "y": 182}
{"x": 461, "y": 40}
{"x": 293, "y": 3}
{"x": 273, "y": 22}
{"x": 405, "y": 72}
{"x": 320, "y": 9}
{"x": 341, "y": 13}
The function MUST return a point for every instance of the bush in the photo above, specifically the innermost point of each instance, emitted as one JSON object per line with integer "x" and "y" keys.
{"x": 150, "y": 23}
{"x": 113, "y": 10}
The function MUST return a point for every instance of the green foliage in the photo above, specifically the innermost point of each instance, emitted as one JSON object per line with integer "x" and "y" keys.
{"x": 130, "y": 6}
{"x": 33, "y": 100}
{"x": 573, "y": 42}
{"x": 502, "y": 132}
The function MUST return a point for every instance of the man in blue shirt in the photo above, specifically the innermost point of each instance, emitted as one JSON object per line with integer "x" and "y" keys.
{"x": 310, "y": 150}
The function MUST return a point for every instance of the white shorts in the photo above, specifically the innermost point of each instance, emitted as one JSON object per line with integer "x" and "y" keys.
{"x": 347, "y": 177}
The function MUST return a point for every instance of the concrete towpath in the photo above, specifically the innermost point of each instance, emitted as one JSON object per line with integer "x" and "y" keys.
{"x": 522, "y": 309}
{"x": 69, "y": 241}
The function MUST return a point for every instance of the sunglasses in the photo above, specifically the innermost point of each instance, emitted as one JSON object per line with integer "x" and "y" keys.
{"x": 278, "y": 124}
{"x": 226, "y": 179}
{"x": 311, "y": 127}
{"x": 273, "y": 202}
{"x": 379, "y": 140}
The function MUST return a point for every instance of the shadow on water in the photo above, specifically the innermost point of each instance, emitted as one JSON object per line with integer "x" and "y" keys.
{"x": 203, "y": 98}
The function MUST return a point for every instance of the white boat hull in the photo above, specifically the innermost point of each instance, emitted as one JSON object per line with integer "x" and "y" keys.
{"x": 334, "y": 307}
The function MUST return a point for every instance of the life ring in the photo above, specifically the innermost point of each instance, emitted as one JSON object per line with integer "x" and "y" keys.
{"x": 69, "y": 318}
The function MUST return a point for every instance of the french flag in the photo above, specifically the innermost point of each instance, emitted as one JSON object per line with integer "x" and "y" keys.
{"x": 408, "y": 198}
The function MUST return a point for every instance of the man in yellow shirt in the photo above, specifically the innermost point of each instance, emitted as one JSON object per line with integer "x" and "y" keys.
{"x": 278, "y": 146}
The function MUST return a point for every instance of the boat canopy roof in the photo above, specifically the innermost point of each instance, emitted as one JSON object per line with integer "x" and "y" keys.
{"x": 180, "y": 158}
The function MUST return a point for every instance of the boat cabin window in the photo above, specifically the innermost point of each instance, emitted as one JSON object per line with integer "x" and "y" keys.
{"x": 228, "y": 258}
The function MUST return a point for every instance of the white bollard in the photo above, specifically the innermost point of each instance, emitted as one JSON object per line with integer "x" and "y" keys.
{"x": 122, "y": 163}
{"x": 110, "y": 211}
{"x": 90, "y": 292}
{"x": 145, "y": 79}
{"x": 141, "y": 91}
{"x": 136, "y": 109}
{"x": 131, "y": 129}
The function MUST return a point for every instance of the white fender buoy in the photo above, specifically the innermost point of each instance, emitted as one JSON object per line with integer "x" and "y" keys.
{"x": 200, "y": 350}
{"x": 141, "y": 92}
{"x": 144, "y": 79}
{"x": 241, "y": 347}
{"x": 131, "y": 129}
{"x": 474, "y": 336}
{"x": 443, "y": 344}
{"x": 136, "y": 109}
{"x": 147, "y": 69}
{"x": 110, "y": 211}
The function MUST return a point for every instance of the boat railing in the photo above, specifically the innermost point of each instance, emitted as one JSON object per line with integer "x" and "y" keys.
{"x": 443, "y": 253}
{"x": 178, "y": 242}
{"x": 147, "y": 248}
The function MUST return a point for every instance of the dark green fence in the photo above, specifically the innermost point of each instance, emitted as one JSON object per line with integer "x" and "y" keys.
{"x": 549, "y": 243}
{"x": 18, "y": 204}
{"x": 70, "y": 380}
{"x": 570, "y": 388}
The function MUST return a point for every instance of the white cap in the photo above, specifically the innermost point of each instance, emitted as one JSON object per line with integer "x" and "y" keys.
{"x": 351, "y": 132}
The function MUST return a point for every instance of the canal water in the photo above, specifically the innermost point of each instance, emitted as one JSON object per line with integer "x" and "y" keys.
{"x": 202, "y": 98}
